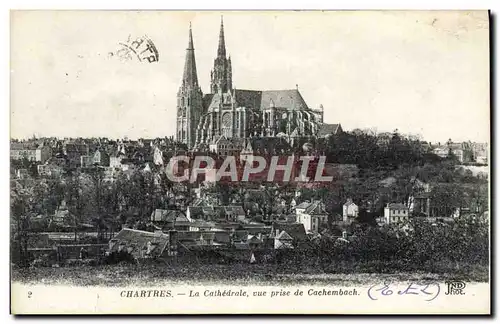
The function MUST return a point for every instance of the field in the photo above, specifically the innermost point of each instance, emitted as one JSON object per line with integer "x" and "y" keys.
{"x": 154, "y": 274}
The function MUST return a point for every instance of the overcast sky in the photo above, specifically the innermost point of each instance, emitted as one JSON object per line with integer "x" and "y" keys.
{"x": 420, "y": 72}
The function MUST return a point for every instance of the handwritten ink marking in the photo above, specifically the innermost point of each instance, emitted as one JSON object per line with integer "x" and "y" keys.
{"x": 455, "y": 287}
{"x": 431, "y": 290}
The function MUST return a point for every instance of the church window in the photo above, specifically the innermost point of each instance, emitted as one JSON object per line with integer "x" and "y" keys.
{"x": 226, "y": 125}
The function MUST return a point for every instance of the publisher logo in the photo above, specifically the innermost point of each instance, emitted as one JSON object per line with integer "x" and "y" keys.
{"x": 455, "y": 287}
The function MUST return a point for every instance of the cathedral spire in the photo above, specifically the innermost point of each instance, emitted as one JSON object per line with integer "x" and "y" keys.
{"x": 221, "y": 76}
{"x": 190, "y": 77}
{"x": 221, "y": 51}
{"x": 189, "y": 99}
{"x": 190, "y": 45}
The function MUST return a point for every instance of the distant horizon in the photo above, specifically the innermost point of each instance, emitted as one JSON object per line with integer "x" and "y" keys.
{"x": 423, "y": 73}
{"x": 422, "y": 139}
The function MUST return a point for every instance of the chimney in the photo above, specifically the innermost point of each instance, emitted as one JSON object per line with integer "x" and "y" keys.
{"x": 277, "y": 232}
{"x": 344, "y": 235}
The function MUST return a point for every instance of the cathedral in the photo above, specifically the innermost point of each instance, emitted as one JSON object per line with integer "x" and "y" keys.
{"x": 237, "y": 115}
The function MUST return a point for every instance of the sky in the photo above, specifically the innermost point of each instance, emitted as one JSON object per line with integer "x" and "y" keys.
{"x": 421, "y": 72}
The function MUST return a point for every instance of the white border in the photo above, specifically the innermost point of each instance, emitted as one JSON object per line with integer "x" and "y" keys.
{"x": 185, "y": 4}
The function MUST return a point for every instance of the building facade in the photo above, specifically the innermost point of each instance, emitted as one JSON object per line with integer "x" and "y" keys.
{"x": 236, "y": 113}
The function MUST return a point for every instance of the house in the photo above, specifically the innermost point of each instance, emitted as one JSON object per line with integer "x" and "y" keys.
{"x": 295, "y": 230}
{"x": 158, "y": 156}
{"x": 442, "y": 152}
{"x": 313, "y": 216}
{"x": 30, "y": 151}
{"x": 86, "y": 161}
{"x": 480, "y": 152}
{"x": 225, "y": 146}
{"x": 101, "y": 158}
{"x": 383, "y": 139}
{"x": 300, "y": 208}
{"x": 171, "y": 219}
{"x": 73, "y": 152}
{"x": 201, "y": 225}
{"x": 140, "y": 244}
{"x": 116, "y": 159}
{"x": 350, "y": 211}
{"x": 283, "y": 240}
{"x": 462, "y": 151}
{"x": 62, "y": 214}
{"x": 255, "y": 241}
{"x": 20, "y": 150}
{"x": 50, "y": 169}
{"x": 396, "y": 213}
{"x": 22, "y": 174}
{"x": 421, "y": 203}
{"x": 196, "y": 238}
{"x": 217, "y": 213}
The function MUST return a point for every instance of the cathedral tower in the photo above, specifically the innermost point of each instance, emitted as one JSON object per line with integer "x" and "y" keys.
{"x": 189, "y": 99}
{"x": 221, "y": 75}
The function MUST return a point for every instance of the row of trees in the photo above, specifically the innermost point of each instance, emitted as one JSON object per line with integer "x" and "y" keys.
{"x": 422, "y": 247}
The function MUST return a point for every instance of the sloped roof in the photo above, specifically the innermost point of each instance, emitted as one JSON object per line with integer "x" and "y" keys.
{"x": 222, "y": 140}
{"x": 303, "y": 205}
{"x": 315, "y": 208}
{"x": 23, "y": 146}
{"x": 254, "y": 239}
{"x": 222, "y": 237}
{"x": 284, "y": 236}
{"x": 289, "y": 99}
{"x": 248, "y": 98}
{"x": 328, "y": 129}
{"x": 349, "y": 202}
{"x": 78, "y": 148}
{"x": 167, "y": 215}
{"x": 207, "y": 99}
{"x": 199, "y": 203}
{"x": 397, "y": 206}
{"x": 217, "y": 211}
{"x": 240, "y": 235}
{"x": 295, "y": 230}
{"x": 186, "y": 236}
{"x": 138, "y": 241}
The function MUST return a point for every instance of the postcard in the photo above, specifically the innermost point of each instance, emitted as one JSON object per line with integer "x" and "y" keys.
{"x": 250, "y": 162}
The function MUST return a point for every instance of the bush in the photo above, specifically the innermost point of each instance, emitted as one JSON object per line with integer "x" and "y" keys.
{"x": 118, "y": 257}
{"x": 456, "y": 247}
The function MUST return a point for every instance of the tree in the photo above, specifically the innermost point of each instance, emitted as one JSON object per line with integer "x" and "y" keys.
{"x": 74, "y": 200}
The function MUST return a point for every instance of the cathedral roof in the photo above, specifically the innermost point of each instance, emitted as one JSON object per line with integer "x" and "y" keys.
{"x": 289, "y": 99}
{"x": 255, "y": 99}
{"x": 207, "y": 99}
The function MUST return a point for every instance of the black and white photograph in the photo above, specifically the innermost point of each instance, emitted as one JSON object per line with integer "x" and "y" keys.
{"x": 250, "y": 162}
